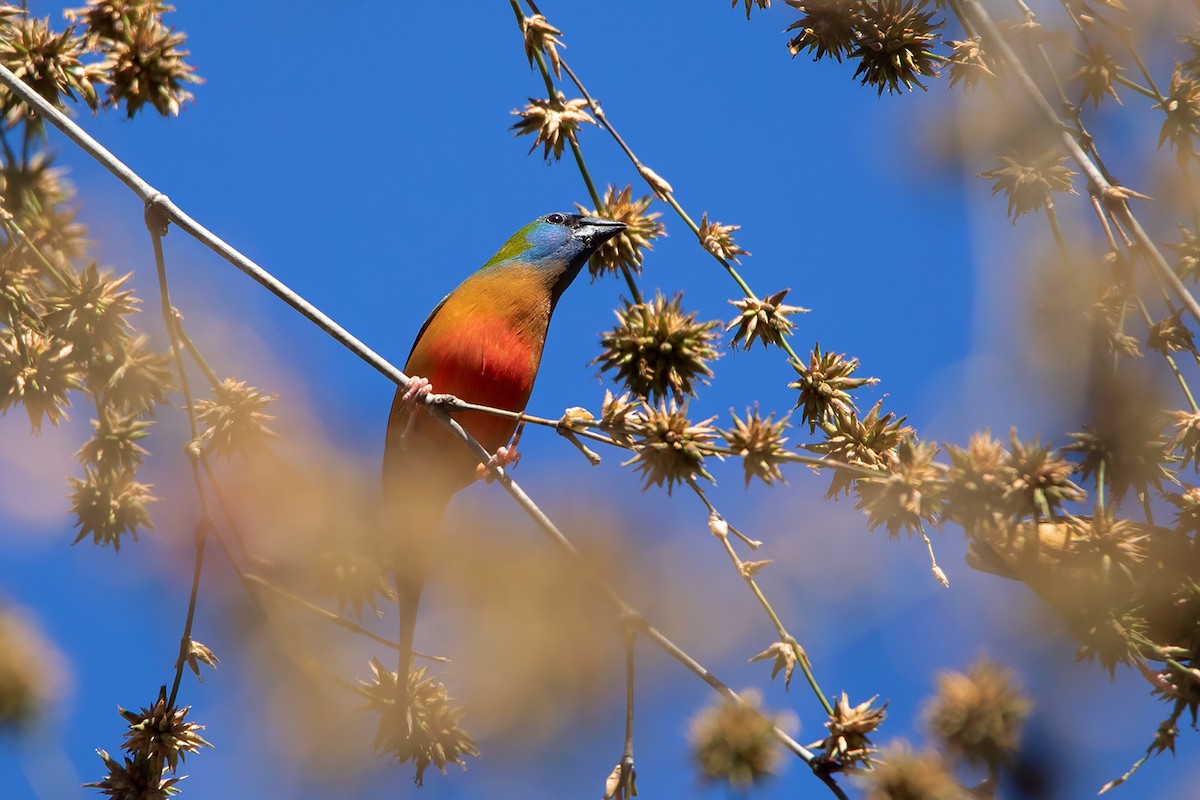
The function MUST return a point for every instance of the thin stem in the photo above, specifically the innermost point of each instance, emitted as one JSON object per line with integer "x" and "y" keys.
{"x": 627, "y": 773}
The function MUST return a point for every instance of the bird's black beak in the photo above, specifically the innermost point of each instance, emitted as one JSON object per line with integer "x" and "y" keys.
{"x": 595, "y": 231}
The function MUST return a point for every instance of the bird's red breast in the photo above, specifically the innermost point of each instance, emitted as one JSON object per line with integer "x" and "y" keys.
{"x": 483, "y": 345}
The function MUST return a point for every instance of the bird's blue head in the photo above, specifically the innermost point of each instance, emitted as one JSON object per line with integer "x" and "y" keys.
{"x": 558, "y": 243}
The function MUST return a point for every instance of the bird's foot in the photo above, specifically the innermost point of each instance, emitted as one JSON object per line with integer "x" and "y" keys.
{"x": 503, "y": 457}
{"x": 418, "y": 389}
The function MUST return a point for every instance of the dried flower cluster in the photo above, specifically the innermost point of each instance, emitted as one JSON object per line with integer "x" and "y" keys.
{"x": 427, "y": 732}
{"x": 157, "y": 739}
{"x": 30, "y": 672}
{"x": 555, "y": 121}
{"x": 658, "y": 350}
{"x": 978, "y": 714}
{"x": 735, "y": 742}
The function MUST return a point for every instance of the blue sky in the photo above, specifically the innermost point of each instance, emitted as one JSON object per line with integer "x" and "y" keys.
{"x": 362, "y": 156}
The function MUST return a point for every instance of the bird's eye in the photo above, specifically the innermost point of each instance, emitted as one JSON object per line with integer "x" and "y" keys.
{"x": 556, "y": 219}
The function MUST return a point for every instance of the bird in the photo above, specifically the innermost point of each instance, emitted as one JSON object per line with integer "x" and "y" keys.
{"x": 483, "y": 344}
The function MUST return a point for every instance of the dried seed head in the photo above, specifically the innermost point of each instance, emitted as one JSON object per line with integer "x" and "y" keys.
{"x": 621, "y": 417}
{"x": 763, "y": 320}
{"x": 90, "y": 312}
{"x": 901, "y": 772}
{"x": 979, "y": 714}
{"x": 1028, "y": 181}
{"x": 139, "y": 778}
{"x": 658, "y": 350}
{"x": 160, "y": 733}
{"x": 108, "y": 505}
{"x": 1040, "y": 481}
{"x": 850, "y": 727}
{"x": 1170, "y": 335}
{"x": 763, "y": 4}
{"x": 106, "y": 19}
{"x": 869, "y": 442}
{"x": 669, "y": 447}
{"x": 759, "y": 443}
{"x": 893, "y": 45}
{"x": 624, "y": 251}
{"x": 977, "y": 480}
{"x": 1109, "y": 314}
{"x": 146, "y": 65}
{"x": 1096, "y": 74}
{"x": 910, "y": 494}
{"x": 828, "y": 27}
{"x": 1187, "y": 518}
{"x": 131, "y": 377}
{"x": 734, "y": 742}
{"x": 540, "y": 37}
{"x": 428, "y": 732}
{"x": 1182, "y": 106}
{"x": 49, "y": 63}
{"x": 783, "y": 659}
{"x": 825, "y": 386}
{"x": 555, "y": 121}
{"x": 1187, "y": 252}
{"x": 39, "y": 372}
{"x": 1186, "y": 439}
{"x": 718, "y": 239}
{"x": 114, "y": 447}
{"x": 968, "y": 64}
{"x": 233, "y": 420}
{"x": 354, "y": 575}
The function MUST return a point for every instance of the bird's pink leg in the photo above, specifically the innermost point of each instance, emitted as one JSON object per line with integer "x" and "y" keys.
{"x": 503, "y": 457}
{"x": 418, "y": 389}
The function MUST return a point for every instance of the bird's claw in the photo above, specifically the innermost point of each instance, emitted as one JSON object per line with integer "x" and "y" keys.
{"x": 418, "y": 389}
{"x": 503, "y": 457}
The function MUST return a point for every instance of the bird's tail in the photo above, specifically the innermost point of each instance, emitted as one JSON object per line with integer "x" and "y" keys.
{"x": 414, "y": 514}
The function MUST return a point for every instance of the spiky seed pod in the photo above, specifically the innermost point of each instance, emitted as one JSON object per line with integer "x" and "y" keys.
{"x": 1187, "y": 255}
{"x": 233, "y": 420}
{"x": 49, "y": 63}
{"x": 161, "y": 734}
{"x": 114, "y": 447}
{"x": 1096, "y": 74}
{"x": 197, "y": 654}
{"x": 624, "y": 251}
{"x": 540, "y": 37}
{"x": 91, "y": 311}
{"x": 1110, "y": 638}
{"x": 1109, "y": 314}
{"x": 759, "y": 443}
{"x": 901, "y": 772}
{"x": 1170, "y": 335}
{"x": 107, "y": 19}
{"x": 132, "y": 376}
{"x": 869, "y": 442}
{"x": 39, "y": 372}
{"x": 977, "y": 480}
{"x": 1187, "y": 518}
{"x": 734, "y": 742}
{"x": 828, "y": 27}
{"x": 429, "y": 733}
{"x": 825, "y": 386}
{"x": 850, "y": 727}
{"x": 668, "y": 448}
{"x": 1028, "y": 181}
{"x": 1192, "y": 42}
{"x": 762, "y": 4}
{"x": 894, "y": 45}
{"x": 18, "y": 285}
{"x": 1182, "y": 106}
{"x": 1186, "y": 439}
{"x": 978, "y": 714}
{"x": 911, "y": 493}
{"x": 969, "y": 64}
{"x": 621, "y": 417}
{"x": 37, "y": 194}
{"x": 353, "y": 575}
{"x": 1109, "y": 549}
{"x": 1040, "y": 482}
{"x": 146, "y": 65}
{"x": 555, "y": 121}
{"x": 137, "y": 778}
{"x": 718, "y": 239}
{"x": 762, "y": 320}
{"x": 107, "y": 506}
{"x": 658, "y": 350}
